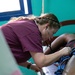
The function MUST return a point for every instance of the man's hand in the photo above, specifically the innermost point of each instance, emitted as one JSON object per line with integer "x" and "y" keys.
{"x": 35, "y": 68}
{"x": 66, "y": 50}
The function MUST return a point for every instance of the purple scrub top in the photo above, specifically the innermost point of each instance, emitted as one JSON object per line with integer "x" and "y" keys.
{"x": 23, "y": 36}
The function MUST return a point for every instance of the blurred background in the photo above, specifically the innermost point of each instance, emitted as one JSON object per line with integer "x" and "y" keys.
{"x": 63, "y": 9}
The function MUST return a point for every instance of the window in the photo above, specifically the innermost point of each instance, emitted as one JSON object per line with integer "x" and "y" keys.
{"x": 11, "y": 8}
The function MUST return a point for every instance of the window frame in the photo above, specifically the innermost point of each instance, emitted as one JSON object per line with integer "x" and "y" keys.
{"x": 8, "y": 15}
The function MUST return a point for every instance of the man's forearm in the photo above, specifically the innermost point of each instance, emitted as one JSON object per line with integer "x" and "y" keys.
{"x": 51, "y": 58}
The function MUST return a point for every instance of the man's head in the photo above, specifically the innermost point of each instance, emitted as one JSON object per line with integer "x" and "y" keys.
{"x": 48, "y": 25}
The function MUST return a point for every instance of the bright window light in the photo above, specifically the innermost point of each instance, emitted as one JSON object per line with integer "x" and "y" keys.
{"x": 26, "y": 6}
{"x": 12, "y": 8}
{"x": 9, "y": 5}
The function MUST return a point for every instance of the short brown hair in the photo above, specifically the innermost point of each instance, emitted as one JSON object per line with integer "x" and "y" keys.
{"x": 48, "y": 18}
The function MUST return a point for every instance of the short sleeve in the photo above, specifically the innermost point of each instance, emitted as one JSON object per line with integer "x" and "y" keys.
{"x": 31, "y": 42}
{"x": 28, "y": 35}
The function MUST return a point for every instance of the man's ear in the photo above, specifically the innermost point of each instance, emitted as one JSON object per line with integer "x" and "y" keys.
{"x": 47, "y": 25}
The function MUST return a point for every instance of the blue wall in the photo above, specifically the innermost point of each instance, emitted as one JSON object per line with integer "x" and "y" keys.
{"x": 37, "y": 7}
{"x": 63, "y": 9}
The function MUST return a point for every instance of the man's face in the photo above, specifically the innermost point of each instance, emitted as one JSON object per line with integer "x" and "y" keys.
{"x": 48, "y": 33}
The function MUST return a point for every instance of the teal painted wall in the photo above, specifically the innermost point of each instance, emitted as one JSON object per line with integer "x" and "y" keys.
{"x": 37, "y": 7}
{"x": 63, "y": 9}
{"x": 2, "y": 22}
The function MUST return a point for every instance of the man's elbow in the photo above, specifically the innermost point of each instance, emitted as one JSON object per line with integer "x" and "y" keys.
{"x": 40, "y": 62}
